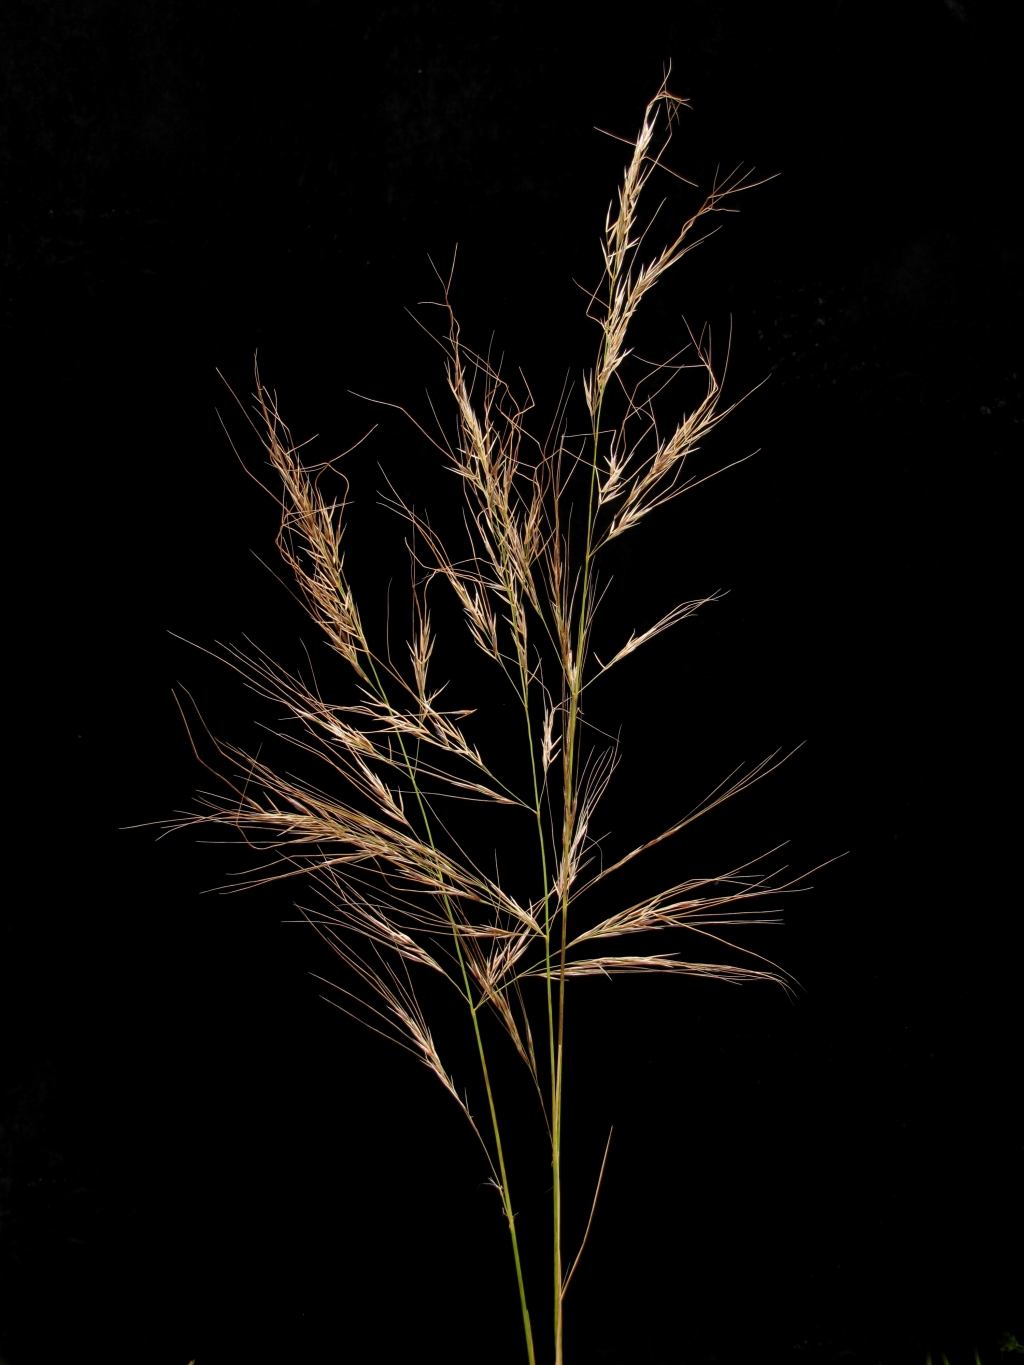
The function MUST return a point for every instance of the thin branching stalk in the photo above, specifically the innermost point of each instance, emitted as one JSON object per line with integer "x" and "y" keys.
{"x": 399, "y": 893}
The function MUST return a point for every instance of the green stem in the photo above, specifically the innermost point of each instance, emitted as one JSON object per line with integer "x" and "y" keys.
{"x": 506, "y": 1197}
{"x": 550, "y": 1003}
{"x": 569, "y": 811}
{"x": 554, "y": 1069}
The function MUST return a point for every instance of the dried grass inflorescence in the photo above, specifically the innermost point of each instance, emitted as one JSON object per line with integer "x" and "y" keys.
{"x": 397, "y": 892}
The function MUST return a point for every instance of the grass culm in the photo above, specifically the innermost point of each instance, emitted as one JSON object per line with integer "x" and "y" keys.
{"x": 399, "y": 897}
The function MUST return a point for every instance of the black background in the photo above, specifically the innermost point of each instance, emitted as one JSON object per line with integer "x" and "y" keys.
{"x": 200, "y": 1158}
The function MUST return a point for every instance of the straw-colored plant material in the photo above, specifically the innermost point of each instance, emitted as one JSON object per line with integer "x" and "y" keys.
{"x": 398, "y": 894}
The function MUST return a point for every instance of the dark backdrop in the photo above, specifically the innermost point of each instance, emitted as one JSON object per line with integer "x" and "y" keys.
{"x": 200, "y": 1158}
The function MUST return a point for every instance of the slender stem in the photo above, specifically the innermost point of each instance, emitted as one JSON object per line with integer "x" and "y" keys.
{"x": 521, "y": 635}
{"x": 524, "y": 681}
{"x": 506, "y": 1196}
{"x": 569, "y": 814}
{"x": 544, "y": 882}
{"x": 548, "y": 991}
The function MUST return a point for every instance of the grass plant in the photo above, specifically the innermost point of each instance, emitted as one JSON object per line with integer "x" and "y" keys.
{"x": 400, "y": 895}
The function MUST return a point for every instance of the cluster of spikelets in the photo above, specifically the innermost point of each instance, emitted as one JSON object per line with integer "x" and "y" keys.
{"x": 398, "y": 892}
